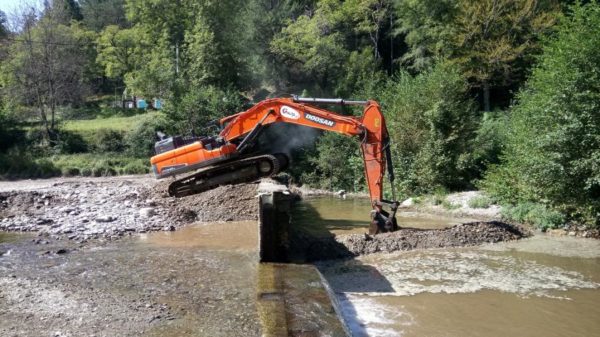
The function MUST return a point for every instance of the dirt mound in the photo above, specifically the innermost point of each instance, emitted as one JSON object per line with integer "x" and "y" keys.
{"x": 468, "y": 234}
{"x": 224, "y": 203}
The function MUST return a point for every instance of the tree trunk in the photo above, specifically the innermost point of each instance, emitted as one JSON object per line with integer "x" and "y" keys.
{"x": 486, "y": 96}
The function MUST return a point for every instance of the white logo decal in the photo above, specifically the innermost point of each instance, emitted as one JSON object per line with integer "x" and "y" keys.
{"x": 319, "y": 120}
{"x": 290, "y": 113}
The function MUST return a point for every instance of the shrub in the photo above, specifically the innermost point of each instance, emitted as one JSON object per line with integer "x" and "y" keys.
{"x": 108, "y": 140}
{"x": 432, "y": 123}
{"x": 21, "y": 165}
{"x": 69, "y": 142}
{"x": 10, "y": 136}
{"x": 140, "y": 141}
{"x": 553, "y": 147}
{"x": 449, "y": 205}
{"x": 480, "y": 201}
{"x": 535, "y": 214}
{"x": 69, "y": 171}
{"x": 135, "y": 168}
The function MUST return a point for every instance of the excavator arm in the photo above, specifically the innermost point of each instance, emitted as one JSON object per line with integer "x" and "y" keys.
{"x": 232, "y": 164}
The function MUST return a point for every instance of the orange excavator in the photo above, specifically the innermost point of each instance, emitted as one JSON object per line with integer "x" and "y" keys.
{"x": 233, "y": 156}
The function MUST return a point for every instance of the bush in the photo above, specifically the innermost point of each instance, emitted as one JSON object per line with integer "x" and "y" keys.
{"x": 17, "y": 165}
{"x": 135, "y": 168}
{"x": 108, "y": 140}
{"x": 69, "y": 171}
{"x": 553, "y": 148}
{"x": 432, "y": 124}
{"x": 69, "y": 142}
{"x": 191, "y": 112}
{"x": 140, "y": 141}
{"x": 449, "y": 205}
{"x": 534, "y": 214}
{"x": 10, "y": 135}
{"x": 480, "y": 201}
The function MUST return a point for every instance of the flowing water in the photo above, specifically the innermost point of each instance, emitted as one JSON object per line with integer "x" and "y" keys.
{"x": 206, "y": 275}
{"x": 349, "y": 216}
{"x": 541, "y": 286}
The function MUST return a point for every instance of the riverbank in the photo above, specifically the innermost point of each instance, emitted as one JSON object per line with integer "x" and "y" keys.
{"x": 108, "y": 208}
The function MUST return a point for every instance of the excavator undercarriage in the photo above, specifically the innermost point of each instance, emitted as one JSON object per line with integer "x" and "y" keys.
{"x": 236, "y": 171}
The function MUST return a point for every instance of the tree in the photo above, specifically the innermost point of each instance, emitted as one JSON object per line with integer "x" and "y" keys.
{"x": 432, "y": 122}
{"x": 322, "y": 45}
{"x": 491, "y": 40}
{"x": 552, "y": 153}
{"x": 119, "y": 50}
{"x": 46, "y": 68}
{"x": 98, "y": 14}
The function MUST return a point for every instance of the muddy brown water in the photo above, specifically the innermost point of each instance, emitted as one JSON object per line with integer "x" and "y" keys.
{"x": 351, "y": 216}
{"x": 541, "y": 286}
{"x": 198, "y": 281}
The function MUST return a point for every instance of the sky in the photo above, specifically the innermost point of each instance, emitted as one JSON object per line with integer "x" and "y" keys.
{"x": 9, "y": 6}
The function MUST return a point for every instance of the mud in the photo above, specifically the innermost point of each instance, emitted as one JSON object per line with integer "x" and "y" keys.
{"x": 345, "y": 246}
{"x": 110, "y": 208}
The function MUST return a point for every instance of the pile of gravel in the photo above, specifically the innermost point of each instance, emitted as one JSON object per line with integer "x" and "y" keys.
{"x": 90, "y": 209}
{"x": 468, "y": 234}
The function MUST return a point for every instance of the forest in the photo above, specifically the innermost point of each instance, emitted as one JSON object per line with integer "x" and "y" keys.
{"x": 497, "y": 95}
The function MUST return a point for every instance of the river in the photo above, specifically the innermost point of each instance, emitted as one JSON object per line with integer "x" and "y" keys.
{"x": 541, "y": 286}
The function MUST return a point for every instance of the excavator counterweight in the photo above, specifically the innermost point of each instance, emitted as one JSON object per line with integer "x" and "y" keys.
{"x": 234, "y": 157}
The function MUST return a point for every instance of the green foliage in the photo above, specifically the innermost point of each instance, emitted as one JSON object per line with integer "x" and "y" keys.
{"x": 491, "y": 41}
{"x": 449, "y": 205}
{"x": 98, "y": 14}
{"x": 195, "y": 109}
{"x": 108, "y": 140}
{"x": 140, "y": 141}
{"x": 553, "y": 147}
{"x": 18, "y": 165}
{"x": 95, "y": 164}
{"x": 534, "y": 214}
{"x": 489, "y": 141}
{"x": 336, "y": 165}
{"x": 431, "y": 122}
{"x": 480, "y": 201}
{"x": 10, "y": 134}
{"x": 69, "y": 142}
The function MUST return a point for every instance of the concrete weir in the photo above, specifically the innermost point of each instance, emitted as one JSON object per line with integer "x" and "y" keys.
{"x": 293, "y": 299}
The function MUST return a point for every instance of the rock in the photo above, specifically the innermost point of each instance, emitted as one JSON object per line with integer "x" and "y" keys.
{"x": 169, "y": 228}
{"x": 105, "y": 218}
{"x": 62, "y": 251}
{"x": 408, "y": 203}
{"x": 147, "y": 212}
{"x": 43, "y": 221}
{"x": 150, "y": 202}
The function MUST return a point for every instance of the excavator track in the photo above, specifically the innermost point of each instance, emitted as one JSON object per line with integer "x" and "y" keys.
{"x": 234, "y": 172}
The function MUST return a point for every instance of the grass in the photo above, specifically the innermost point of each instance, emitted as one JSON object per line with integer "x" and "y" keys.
{"x": 449, "y": 205}
{"x": 113, "y": 123}
{"x": 95, "y": 164}
{"x": 535, "y": 214}
{"x": 84, "y": 164}
{"x": 480, "y": 201}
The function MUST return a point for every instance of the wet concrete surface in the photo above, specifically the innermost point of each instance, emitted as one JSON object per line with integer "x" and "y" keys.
{"x": 185, "y": 283}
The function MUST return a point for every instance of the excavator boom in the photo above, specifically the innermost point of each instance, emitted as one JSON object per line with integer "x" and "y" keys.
{"x": 230, "y": 157}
